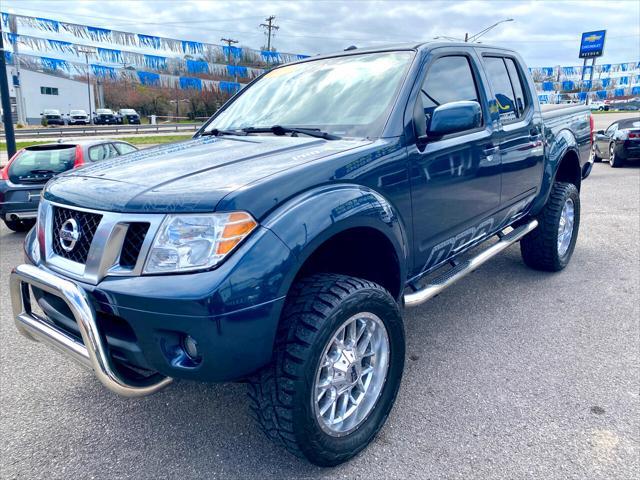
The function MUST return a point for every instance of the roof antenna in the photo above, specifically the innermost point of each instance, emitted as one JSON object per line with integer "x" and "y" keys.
{"x": 351, "y": 47}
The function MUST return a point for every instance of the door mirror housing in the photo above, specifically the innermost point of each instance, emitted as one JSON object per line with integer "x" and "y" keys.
{"x": 600, "y": 132}
{"x": 454, "y": 117}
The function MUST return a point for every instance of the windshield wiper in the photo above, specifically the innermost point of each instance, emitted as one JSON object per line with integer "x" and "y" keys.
{"x": 280, "y": 130}
{"x": 216, "y": 132}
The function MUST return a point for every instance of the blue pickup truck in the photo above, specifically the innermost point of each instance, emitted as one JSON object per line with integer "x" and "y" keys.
{"x": 280, "y": 245}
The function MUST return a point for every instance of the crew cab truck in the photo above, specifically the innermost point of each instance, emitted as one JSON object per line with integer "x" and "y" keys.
{"x": 280, "y": 245}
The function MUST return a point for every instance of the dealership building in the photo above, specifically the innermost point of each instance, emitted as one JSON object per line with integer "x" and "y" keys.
{"x": 40, "y": 91}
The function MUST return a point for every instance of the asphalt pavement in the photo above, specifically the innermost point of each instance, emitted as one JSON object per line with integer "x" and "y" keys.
{"x": 511, "y": 373}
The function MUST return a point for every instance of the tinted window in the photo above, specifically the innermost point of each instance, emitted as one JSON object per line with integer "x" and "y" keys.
{"x": 502, "y": 89}
{"x": 102, "y": 152}
{"x": 42, "y": 163}
{"x": 125, "y": 148}
{"x": 518, "y": 88}
{"x": 449, "y": 79}
{"x": 612, "y": 128}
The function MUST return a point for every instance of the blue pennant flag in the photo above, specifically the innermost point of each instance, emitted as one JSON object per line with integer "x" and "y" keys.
{"x": 46, "y": 24}
{"x": 567, "y": 85}
{"x": 587, "y": 71}
{"x": 156, "y": 62}
{"x": 270, "y": 56}
{"x": 547, "y": 86}
{"x": 624, "y": 81}
{"x": 635, "y": 90}
{"x": 12, "y": 37}
{"x": 53, "y": 64}
{"x": 602, "y": 94}
{"x": 148, "y": 78}
{"x": 8, "y": 57}
{"x": 229, "y": 51}
{"x": 237, "y": 70}
{"x": 197, "y": 66}
{"x": 190, "y": 83}
{"x": 60, "y": 45}
{"x": 99, "y": 34}
{"x": 5, "y": 19}
{"x": 582, "y": 96}
{"x": 102, "y": 71}
{"x": 568, "y": 71}
{"x": 302, "y": 57}
{"x": 605, "y": 68}
{"x": 110, "y": 55}
{"x": 191, "y": 47}
{"x": 618, "y": 92}
{"x": 547, "y": 71}
{"x": 149, "y": 41}
{"x": 543, "y": 98}
{"x": 606, "y": 82}
{"x": 624, "y": 67}
{"x": 586, "y": 84}
{"x": 229, "y": 87}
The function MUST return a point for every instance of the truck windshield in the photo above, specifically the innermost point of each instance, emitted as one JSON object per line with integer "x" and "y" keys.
{"x": 346, "y": 96}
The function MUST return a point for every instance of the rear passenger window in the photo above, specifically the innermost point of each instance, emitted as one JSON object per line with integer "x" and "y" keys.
{"x": 449, "y": 79}
{"x": 518, "y": 88}
{"x": 502, "y": 89}
{"x": 102, "y": 152}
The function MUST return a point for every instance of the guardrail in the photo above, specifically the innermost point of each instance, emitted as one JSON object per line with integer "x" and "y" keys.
{"x": 105, "y": 130}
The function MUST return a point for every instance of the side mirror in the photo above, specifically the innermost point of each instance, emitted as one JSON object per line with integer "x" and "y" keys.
{"x": 600, "y": 132}
{"x": 454, "y": 117}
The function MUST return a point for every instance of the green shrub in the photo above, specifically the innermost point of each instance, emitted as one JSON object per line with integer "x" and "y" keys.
{"x": 44, "y": 121}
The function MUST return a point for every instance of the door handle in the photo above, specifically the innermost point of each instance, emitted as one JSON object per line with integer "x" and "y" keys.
{"x": 490, "y": 150}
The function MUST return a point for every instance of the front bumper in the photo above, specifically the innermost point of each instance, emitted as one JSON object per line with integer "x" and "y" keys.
{"x": 136, "y": 326}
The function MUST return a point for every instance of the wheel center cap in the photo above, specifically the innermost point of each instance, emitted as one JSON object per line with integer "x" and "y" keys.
{"x": 346, "y": 367}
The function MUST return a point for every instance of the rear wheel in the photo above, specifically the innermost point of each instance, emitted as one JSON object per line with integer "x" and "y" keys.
{"x": 614, "y": 160}
{"x": 336, "y": 371}
{"x": 19, "y": 225}
{"x": 550, "y": 246}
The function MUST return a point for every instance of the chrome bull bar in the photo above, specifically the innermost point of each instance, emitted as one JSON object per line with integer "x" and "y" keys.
{"x": 92, "y": 352}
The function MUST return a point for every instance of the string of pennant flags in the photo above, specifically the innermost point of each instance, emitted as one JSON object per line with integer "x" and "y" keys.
{"x": 129, "y": 39}
{"x": 157, "y": 63}
{"x": 71, "y": 69}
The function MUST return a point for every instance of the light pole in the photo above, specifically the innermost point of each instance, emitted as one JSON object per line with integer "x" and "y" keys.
{"x": 86, "y": 52}
{"x": 476, "y": 36}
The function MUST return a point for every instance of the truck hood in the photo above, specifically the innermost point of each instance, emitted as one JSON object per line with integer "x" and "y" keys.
{"x": 189, "y": 176}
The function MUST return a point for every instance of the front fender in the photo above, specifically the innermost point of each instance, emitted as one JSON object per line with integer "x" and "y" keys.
{"x": 307, "y": 221}
{"x": 558, "y": 146}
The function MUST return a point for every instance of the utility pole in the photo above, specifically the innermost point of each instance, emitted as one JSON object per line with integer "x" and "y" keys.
{"x": 86, "y": 52}
{"x": 229, "y": 42}
{"x": 17, "y": 85}
{"x": 6, "y": 101}
{"x": 269, "y": 26}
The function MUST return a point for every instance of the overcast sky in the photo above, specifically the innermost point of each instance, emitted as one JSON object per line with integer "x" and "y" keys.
{"x": 545, "y": 33}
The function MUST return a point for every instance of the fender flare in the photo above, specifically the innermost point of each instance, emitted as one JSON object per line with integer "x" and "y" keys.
{"x": 563, "y": 143}
{"x": 308, "y": 220}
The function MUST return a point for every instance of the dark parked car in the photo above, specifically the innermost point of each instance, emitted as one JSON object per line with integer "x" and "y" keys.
{"x": 130, "y": 114}
{"x": 104, "y": 116}
{"x": 618, "y": 143}
{"x": 22, "y": 179}
{"x": 53, "y": 117}
{"x": 78, "y": 117}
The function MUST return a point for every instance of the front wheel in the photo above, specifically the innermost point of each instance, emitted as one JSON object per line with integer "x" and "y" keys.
{"x": 549, "y": 247}
{"x": 614, "y": 160}
{"x": 336, "y": 370}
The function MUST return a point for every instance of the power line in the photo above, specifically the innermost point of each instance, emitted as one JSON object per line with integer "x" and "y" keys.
{"x": 269, "y": 26}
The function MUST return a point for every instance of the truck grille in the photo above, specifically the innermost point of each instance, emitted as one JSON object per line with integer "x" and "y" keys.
{"x": 87, "y": 226}
{"x": 136, "y": 234}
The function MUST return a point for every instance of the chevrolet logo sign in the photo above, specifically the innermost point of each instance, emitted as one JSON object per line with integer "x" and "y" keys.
{"x": 593, "y": 38}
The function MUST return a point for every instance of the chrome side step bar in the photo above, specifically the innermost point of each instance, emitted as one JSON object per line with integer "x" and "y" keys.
{"x": 438, "y": 284}
{"x": 92, "y": 351}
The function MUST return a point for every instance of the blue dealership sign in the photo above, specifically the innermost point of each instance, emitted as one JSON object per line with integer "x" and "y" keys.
{"x": 592, "y": 44}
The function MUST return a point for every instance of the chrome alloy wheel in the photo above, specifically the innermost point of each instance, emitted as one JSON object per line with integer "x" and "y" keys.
{"x": 351, "y": 374}
{"x": 565, "y": 228}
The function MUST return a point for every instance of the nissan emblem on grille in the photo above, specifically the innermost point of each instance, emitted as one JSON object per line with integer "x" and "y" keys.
{"x": 69, "y": 234}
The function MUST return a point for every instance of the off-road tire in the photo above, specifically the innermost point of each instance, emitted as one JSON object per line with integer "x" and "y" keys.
{"x": 539, "y": 248}
{"x": 19, "y": 225}
{"x": 280, "y": 394}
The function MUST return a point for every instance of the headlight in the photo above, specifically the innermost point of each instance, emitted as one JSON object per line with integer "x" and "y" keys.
{"x": 194, "y": 242}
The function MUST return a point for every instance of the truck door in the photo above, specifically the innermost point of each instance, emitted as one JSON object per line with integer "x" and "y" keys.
{"x": 455, "y": 179}
{"x": 521, "y": 146}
